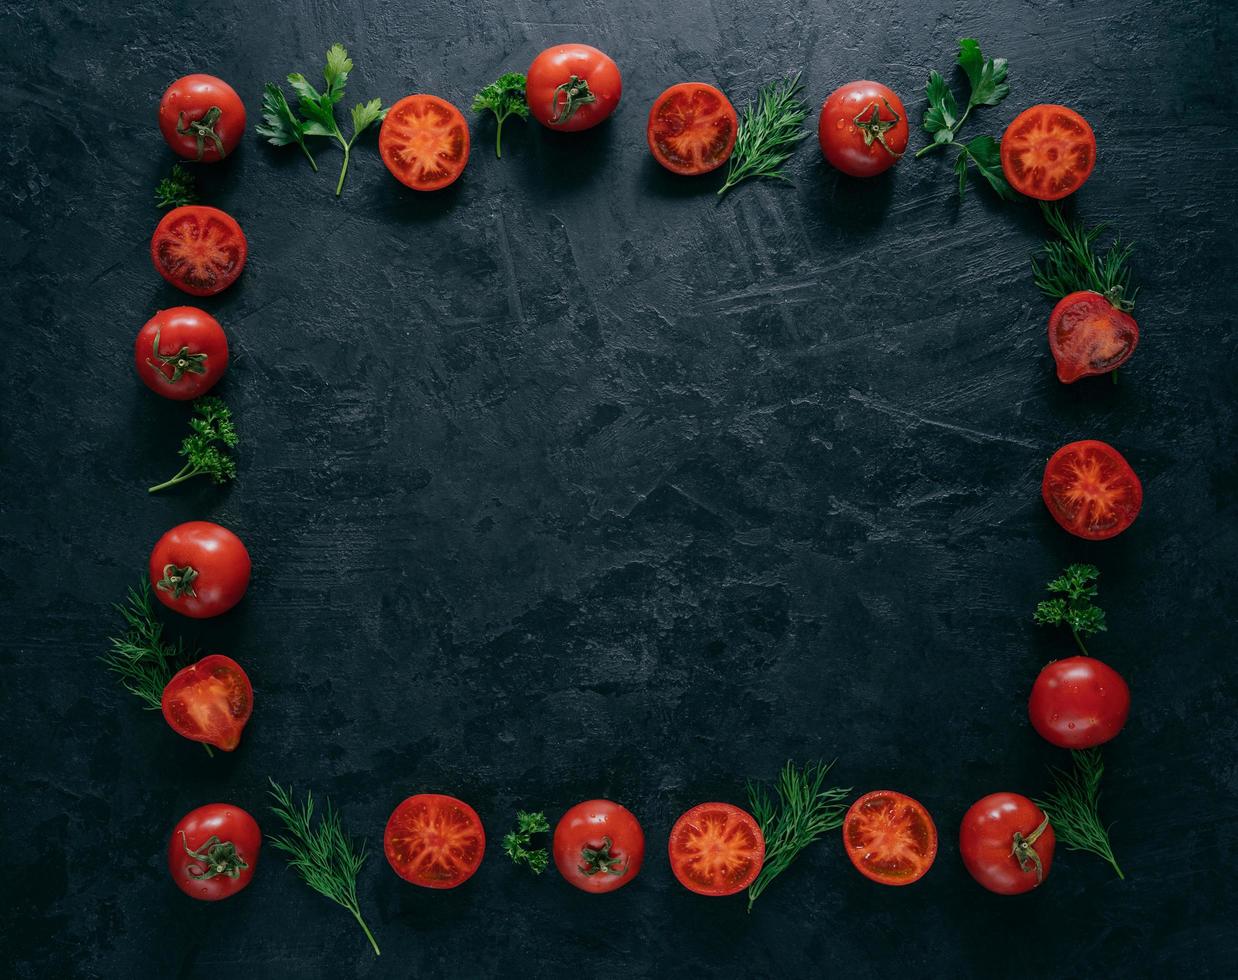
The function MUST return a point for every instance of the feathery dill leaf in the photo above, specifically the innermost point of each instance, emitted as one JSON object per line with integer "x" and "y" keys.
{"x": 142, "y": 659}
{"x": 516, "y": 843}
{"x": 1072, "y": 263}
{"x": 1073, "y": 807}
{"x": 207, "y": 446}
{"x": 770, "y": 128}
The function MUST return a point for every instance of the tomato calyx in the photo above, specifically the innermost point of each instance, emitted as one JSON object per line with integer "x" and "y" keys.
{"x": 875, "y": 128}
{"x": 181, "y": 362}
{"x": 202, "y": 130}
{"x": 575, "y": 92}
{"x": 177, "y": 580}
{"x": 599, "y": 860}
{"x": 1023, "y": 851}
{"x": 219, "y": 857}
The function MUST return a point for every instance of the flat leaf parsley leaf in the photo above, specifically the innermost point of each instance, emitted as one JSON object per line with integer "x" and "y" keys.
{"x": 504, "y": 97}
{"x": 206, "y": 447}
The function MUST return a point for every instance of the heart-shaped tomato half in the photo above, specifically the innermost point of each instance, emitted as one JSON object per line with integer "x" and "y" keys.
{"x": 1089, "y": 335}
{"x": 210, "y": 702}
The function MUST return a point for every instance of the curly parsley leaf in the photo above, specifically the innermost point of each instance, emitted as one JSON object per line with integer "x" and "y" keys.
{"x": 516, "y": 843}
{"x": 504, "y": 97}
{"x": 207, "y": 446}
{"x": 176, "y": 189}
{"x": 1076, "y": 587}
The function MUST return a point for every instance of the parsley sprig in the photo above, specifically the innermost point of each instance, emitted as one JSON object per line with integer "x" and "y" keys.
{"x": 326, "y": 858}
{"x": 206, "y": 447}
{"x": 176, "y": 189}
{"x": 1073, "y": 807}
{"x": 1073, "y": 263}
{"x": 942, "y": 119}
{"x": 142, "y": 659}
{"x": 1076, "y": 587}
{"x": 282, "y": 127}
{"x": 516, "y": 843}
{"x": 799, "y": 812}
{"x": 504, "y": 97}
{"x": 770, "y": 128}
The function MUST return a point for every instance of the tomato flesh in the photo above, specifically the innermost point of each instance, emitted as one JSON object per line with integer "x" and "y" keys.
{"x": 692, "y": 128}
{"x": 199, "y": 250}
{"x": 1088, "y": 335}
{"x": 1048, "y": 152}
{"x": 991, "y": 852}
{"x": 210, "y": 702}
{"x": 424, "y": 141}
{"x": 1079, "y": 702}
{"x": 1090, "y": 490}
{"x": 435, "y": 841}
{"x": 716, "y": 849}
{"x": 890, "y": 838}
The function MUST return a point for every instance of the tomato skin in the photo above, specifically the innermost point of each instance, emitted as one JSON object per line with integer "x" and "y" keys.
{"x": 192, "y": 98}
{"x": 193, "y": 334}
{"x": 890, "y": 838}
{"x": 434, "y": 841}
{"x": 230, "y": 825}
{"x": 209, "y": 701}
{"x": 587, "y": 827}
{"x": 198, "y": 249}
{"x": 692, "y": 128}
{"x": 220, "y": 569}
{"x": 987, "y": 843}
{"x": 844, "y": 142}
{"x": 1078, "y": 702}
{"x": 555, "y": 67}
{"x": 424, "y": 141}
{"x": 716, "y": 849}
{"x": 1048, "y": 152}
{"x": 1088, "y": 335}
{"x": 1090, "y": 490}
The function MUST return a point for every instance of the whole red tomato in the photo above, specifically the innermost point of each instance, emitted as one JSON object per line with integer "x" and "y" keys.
{"x": 199, "y": 569}
{"x": 202, "y": 118}
{"x": 598, "y": 846}
{"x": 181, "y": 353}
{"x": 213, "y": 851}
{"x": 209, "y": 701}
{"x": 1079, "y": 702}
{"x": 863, "y": 128}
{"x": 572, "y": 87}
{"x": 1007, "y": 843}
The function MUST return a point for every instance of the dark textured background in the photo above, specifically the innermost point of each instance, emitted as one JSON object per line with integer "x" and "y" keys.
{"x": 573, "y": 481}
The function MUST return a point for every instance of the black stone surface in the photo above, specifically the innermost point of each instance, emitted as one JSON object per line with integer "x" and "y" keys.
{"x": 574, "y": 481}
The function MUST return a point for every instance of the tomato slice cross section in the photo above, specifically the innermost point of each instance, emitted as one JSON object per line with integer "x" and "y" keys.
{"x": 716, "y": 849}
{"x": 198, "y": 249}
{"x": 1048, "y": 152}
{"x": 209, "y": 701}
{"x": 424, "y": 141}
{"x": 1090, "y": 490}
{"x": 692, "y": 128}
{"x": 890, "y": 838}
{"x": 1089, "y": 335}
{"x": 434, "y": 840}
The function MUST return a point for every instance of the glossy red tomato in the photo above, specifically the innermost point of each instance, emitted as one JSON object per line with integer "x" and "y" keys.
{"x": 1007, "y": 843}
{"x": 863, "y": 128}
{"x": 209, "y": 701}
{"x": 1089, "y": 335}
{"x": 692, "y": 128}
{"x": 181, "y": 353}
{"x": 716, "y": 849}
{"x": 1048, "y": 152}
{"x": 199, "y": 250}
{"x": 598, "y": 846}
{"x": 1091, "y": 490}
{"x": 890, "y": 838}
{"x": 202, "y": 118}
{"x": 1079, "y": 702}
{"x": 434, "y": 841}
{"x": 199, "y": 569}
{"x": 213, "y": 851}
{"x": 424, "y": 141}
{"x": 572, "y": 87}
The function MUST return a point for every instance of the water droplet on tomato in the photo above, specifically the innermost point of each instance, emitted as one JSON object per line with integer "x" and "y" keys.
{"x": 1070, "y": 725}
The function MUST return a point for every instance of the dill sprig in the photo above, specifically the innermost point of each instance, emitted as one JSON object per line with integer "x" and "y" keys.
{"x": 1072, "y": 263}
{"x": 769, "y": 130}
{"x": 1073, "y": 808}
{"x": 516, "y": 843}
{"x": 206, "y": 447}
{"x": 1076, "y": 610}
{"x": 176, "y": 189}
{"x": 141, "y": 657}
{"x": 325, "y": 857}
{"x": 799, "y": 813}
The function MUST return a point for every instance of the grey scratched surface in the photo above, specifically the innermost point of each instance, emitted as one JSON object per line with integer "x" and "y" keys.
{"x": 573, "y": 481}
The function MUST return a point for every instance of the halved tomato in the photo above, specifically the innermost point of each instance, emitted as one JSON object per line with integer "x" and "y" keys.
{"x": 1091, "y": 490}
{"x": 424, "y": 142}
{"x": 210, "y": 702}
{"x": 716, "y": 849}
{"x": 199, "y": 249}
{"x": 889, "y": 837}
{"x": 1048, "y": 152}
{"x": 1089, "y": 335}
{"x": 435, "y": 841}
{"x": 692, "y": 128}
